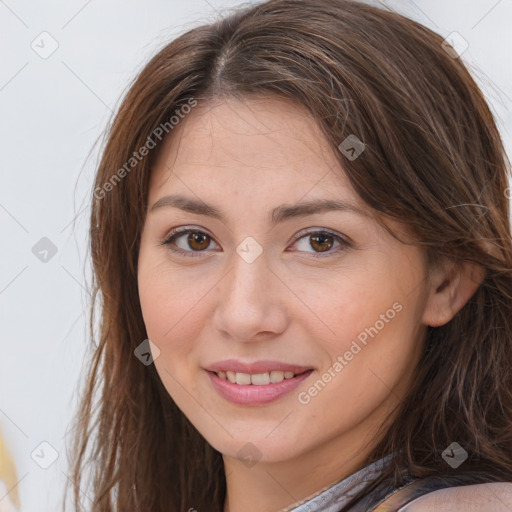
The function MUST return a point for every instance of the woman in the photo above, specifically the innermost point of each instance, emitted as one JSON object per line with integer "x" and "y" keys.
{"x": 300, "y": 237}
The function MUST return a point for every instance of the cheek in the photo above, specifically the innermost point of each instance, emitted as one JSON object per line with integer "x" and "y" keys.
{"x": 354, "y": 306}
{"x": 373, "y": 339}
{"x": 376, "y": 357}
{"x": 362, "y": 377}
{"x": 175, "y": 307}
{"x": 172, "y": 300}
{"x": 171, "y": 306}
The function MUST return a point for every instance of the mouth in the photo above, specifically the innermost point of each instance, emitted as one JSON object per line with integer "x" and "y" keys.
{"x": 252, "y": 389}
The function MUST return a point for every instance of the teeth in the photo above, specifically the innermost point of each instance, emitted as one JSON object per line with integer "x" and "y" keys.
{"x": 257, "y": 379}
{"x": 260, "y": 379}
{"x": 243, "y": 378}
{"x": 276, "y": 376}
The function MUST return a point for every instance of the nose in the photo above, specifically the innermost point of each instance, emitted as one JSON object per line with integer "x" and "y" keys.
{"x": 250, "y": 305}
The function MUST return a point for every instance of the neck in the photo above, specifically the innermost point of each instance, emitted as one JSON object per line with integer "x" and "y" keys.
{"x": 274, "y": 486}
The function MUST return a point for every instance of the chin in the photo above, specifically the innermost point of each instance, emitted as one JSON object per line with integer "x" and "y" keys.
{"x": 251, "y": 449}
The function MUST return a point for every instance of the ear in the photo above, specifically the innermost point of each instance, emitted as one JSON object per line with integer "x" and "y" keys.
{"x": 451, "y": 284}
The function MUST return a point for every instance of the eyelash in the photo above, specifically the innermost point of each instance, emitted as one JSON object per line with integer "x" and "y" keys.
{"x": 176, "y": 233}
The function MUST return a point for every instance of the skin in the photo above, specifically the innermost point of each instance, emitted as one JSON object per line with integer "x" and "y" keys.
{"x": 491, "y": 497}
{"x": 246, "y": 158}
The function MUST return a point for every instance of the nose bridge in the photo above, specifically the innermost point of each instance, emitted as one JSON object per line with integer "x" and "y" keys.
{"x": 248, "y": 280}
{"x": 248, "y": 301}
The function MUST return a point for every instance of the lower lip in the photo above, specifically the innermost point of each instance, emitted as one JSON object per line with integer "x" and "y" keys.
{"x": 251, "y": 394}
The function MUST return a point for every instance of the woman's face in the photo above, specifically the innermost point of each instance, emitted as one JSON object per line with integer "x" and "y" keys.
{"x": 267, "y": 282}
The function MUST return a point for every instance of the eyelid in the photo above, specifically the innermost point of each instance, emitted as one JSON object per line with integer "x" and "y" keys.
{"x": 183, "y": 230}
{"x": 312, "y": 230}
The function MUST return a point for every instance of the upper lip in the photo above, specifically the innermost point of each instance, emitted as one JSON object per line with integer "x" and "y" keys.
{"x": 234, "y": 365}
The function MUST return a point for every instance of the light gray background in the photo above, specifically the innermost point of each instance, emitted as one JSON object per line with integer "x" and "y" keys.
{"x": 52, "y": 111}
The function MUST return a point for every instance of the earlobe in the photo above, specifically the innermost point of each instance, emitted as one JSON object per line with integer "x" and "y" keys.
{"x": 451, "y": 286}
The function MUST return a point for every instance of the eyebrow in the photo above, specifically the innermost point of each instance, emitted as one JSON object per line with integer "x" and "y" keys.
{"x": 278, "y": 214}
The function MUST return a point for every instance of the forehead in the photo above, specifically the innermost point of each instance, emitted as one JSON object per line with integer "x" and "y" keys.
{"x": 257, "y": 142}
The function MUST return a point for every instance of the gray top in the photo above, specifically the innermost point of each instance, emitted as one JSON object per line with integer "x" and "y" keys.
{"x": 339, "y": 494}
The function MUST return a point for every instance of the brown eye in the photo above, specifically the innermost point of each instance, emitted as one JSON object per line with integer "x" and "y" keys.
{"x": 322, "y": 242}
{"x": 198, "y": 241}
{"x": 188, "y": 242}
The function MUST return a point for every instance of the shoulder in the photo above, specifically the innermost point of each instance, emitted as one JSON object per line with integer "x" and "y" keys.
{"x": 490, "y": 497}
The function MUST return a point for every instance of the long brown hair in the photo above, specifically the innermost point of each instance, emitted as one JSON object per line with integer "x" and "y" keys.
{"x": 433, "y": 158}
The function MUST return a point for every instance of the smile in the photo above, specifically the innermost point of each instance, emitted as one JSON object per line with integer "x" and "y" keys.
{"x": 255, "y": 389}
